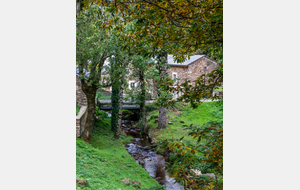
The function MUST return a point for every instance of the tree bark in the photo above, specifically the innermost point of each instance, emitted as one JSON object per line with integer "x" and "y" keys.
{"x": 117, "y": 134}
{"x": 90, "y": 92}
{"x": 162, "y": 120}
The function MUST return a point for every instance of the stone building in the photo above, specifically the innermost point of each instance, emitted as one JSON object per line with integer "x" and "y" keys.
{"x": 191, "y": 69}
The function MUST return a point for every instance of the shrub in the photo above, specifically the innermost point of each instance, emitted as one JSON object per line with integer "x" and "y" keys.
{"x": 206, "y": 155}
{"x": 103, "y": 120}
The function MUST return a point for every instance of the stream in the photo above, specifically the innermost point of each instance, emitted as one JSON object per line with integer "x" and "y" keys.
{"x": 141, "y": 151}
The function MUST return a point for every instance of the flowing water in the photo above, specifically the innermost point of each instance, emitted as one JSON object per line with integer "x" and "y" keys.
{"x": 140, "y": 149}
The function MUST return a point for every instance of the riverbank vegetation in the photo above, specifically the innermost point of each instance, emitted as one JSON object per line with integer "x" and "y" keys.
{"x": 106, "y": 164}
{"x": 206, "y": 112}
{"x": 193, "y": 141}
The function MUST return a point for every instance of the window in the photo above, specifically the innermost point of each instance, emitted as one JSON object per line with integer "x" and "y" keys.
{"x": 131, "y": 84}
{"x": 174, "y": 76}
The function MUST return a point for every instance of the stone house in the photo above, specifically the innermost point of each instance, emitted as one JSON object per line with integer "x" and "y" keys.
{"x": 191, "y": 69}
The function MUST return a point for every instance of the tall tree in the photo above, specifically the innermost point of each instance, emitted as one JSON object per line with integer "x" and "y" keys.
{"x": 139, "y": 68}
{"x": 118, "y": 65}
{"x": 163, "y": 59}
{"x": 93, "y": 47}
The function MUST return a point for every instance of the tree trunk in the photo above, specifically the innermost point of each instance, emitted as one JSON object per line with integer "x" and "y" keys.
{"x": 143, "y": 103}
{"x": 90, "y": 92}
{"x": 115, "y": 108}
{"x": 117, "y": 134}
{"x": 162, "y": 120}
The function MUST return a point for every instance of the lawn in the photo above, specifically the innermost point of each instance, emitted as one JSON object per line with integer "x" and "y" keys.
{"x": 206, "y": 112}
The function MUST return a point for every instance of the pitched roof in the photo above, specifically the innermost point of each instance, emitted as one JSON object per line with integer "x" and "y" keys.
{"x": 192, "y": 59}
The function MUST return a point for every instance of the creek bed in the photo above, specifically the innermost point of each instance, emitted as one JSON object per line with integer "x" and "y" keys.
{"x": 140, "y": 149}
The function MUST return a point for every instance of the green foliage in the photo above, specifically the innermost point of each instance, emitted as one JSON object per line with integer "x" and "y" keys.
{"x": 199, "y": 24}
{"x": 105, "y": 162}
{"x": 103, "y": 120}
{"x": 93, "y": 44}
{"x": 206, "y": 154}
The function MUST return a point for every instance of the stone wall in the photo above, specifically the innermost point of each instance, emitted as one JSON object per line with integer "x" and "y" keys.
{"x": 80, "y": 95}
{"x": 182, "y": 73}
{"x": 80, "y": 121}
{"x": 196, "y": 69}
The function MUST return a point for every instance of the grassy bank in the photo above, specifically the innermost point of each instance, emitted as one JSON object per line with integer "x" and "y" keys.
{"x": 106, "y": 164}
{"x": 206, "y": 112}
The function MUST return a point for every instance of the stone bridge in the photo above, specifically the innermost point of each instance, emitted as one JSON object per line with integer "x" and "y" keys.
{"x": 106, "y": 105}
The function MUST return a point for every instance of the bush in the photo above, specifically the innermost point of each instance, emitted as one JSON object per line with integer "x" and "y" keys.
{"x": 103, "y": 120}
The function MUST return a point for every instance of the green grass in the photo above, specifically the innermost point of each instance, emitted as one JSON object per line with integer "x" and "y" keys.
{"x": 77, "y": 109}
{"x": 105, "y": 163}
{"x": 206, "y": 112}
